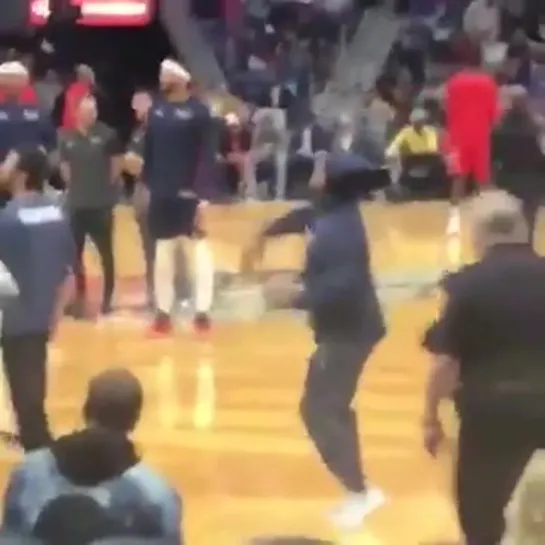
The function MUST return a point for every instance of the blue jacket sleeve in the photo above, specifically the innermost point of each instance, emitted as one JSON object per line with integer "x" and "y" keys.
{"x": 295, "y": 222}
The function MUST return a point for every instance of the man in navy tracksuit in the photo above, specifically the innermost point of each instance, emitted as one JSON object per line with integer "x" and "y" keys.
{"x": 177, "y": 134}
{"x": 338, "y": 292}
{"x": 37, "y": 248}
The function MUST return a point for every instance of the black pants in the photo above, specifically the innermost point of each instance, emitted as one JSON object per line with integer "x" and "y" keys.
{"x": 98, "y": 225}
{"x": 25, "y": 360}
{"x": 492, "y": 455}
{"x": 331, "y": 382}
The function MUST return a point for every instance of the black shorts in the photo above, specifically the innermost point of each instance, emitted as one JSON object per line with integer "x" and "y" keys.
{"x": 172, "y": 217}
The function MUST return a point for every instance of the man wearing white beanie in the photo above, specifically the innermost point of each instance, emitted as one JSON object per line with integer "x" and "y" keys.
{"x": 177, "y": 135}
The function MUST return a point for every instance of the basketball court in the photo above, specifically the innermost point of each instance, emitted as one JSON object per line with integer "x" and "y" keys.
{"x": 221, "y": 417}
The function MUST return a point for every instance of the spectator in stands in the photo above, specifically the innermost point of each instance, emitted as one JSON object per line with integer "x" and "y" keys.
{"x": 235, "y": 143}
{"x": 379, "y": 112}
{"x": 99, "y": 462}
{"x": 482, "y": 25}
{"x": 411, "y": 50}
{"x": 255, "y": 82}
{"x": 416, "y": 138}
{"x": 517, "y": 156}
{"x": 76, "y": 91}
{"x": 359, "y": 139}
{"x": 414, "y": 153}
{"x": 269, "y": 149}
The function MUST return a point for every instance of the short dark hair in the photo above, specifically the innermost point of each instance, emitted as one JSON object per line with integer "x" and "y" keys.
{"x": 114, "y": 400}
{"x": 33, "y": 163}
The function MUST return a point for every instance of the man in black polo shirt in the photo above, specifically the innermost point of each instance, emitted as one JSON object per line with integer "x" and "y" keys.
{"x": 488, "y": 348}
{"x": 91, "y": 165}
{"x": 37, "y": 248}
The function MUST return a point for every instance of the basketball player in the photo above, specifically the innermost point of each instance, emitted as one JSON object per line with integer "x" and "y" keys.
{"x": 338, "y": 291}
{"x": 177, "y": 132}
{"x": 22, "y": 121}
{"x": 472, "y": 109}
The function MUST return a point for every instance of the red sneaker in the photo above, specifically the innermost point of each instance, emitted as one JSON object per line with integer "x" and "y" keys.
{"x": 202, "y": 323}
{"x": 161, "y": 326}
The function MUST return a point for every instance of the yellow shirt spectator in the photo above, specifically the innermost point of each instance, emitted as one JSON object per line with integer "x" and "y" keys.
{"x": 412, "y": 140}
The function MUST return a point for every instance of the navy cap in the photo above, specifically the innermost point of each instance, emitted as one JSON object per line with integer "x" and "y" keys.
{"x": 349, "y": 175}
{"x": 344, "y": 166}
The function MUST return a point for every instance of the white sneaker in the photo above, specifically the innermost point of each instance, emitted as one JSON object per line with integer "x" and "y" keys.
{"x": 351, "y": 513}
{"x": 453, "y": 225}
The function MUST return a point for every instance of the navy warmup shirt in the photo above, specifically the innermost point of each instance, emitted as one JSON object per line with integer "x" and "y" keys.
{"x": 24, "y": 125}
{"x": 176, "y": 138}
{"x": 37, "y": 248}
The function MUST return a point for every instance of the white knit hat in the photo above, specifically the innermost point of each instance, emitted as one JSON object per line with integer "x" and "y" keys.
{"x": 13, "y": 68}
{"x": 176, "y": 69}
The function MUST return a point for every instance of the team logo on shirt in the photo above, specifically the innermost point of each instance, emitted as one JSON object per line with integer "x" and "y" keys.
{"x": 4, "y": 116}
{"x": 40, "y": 215}
{"x": 180, "y": 113}
{"x": 31, "y": 115}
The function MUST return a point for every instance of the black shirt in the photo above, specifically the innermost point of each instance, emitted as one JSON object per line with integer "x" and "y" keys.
{"x": 493, "y": 324}
{"x": 89, "y": 157}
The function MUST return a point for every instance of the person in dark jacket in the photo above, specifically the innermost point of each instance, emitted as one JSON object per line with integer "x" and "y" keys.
{"x": 338, "y": 291}
{"x": 101, "y": 463}
{"x": 488, "y": 350}
{"x": 37, "y": 248}
{"x": 518, "y": 157}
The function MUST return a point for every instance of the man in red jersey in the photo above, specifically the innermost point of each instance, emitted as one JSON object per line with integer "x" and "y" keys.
{"x": 472, "y": 109}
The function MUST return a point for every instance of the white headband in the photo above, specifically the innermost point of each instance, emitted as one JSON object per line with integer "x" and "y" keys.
{"x": 13, "y": 69}
{"x": 176, "y": 69}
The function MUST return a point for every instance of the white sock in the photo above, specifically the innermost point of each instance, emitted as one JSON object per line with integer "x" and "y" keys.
{"x": 163, "y": 275}
{"x": 454, "y": 252}
{"x": 306, "y": 141}
{"x": 204, "y": 276}
{"x": 454, "y": 221}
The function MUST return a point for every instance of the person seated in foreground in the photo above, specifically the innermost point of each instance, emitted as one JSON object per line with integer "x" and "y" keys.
{"x": 101, "y": 462}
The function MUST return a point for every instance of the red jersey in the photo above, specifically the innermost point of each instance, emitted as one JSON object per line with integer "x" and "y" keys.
{"x": 471, "y": 105}
{"x": 73, "y": 96}
{"x": 26, "y": 96}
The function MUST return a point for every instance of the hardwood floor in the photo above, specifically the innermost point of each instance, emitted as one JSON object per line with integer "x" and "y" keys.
{"x": 221, "y": 418}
